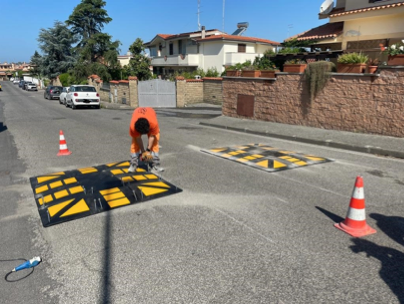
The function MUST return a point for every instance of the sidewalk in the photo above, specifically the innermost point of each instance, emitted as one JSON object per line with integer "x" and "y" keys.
{"x": 365, "y": 143}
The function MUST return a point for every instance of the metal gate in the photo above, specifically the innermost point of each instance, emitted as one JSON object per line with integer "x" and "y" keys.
{"x": 157, "y": 93}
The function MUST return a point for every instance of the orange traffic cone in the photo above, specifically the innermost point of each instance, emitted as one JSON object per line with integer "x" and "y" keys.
{"x": 355, "y": 221}
{"x": 62, "y": 145}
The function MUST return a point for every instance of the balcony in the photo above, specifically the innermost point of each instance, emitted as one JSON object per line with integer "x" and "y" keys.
{"x": 233, "y": 58}
{"x": 176, "y": 60}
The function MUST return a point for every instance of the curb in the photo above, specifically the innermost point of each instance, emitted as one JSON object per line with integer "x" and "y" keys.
{"x": 327, "y": 143}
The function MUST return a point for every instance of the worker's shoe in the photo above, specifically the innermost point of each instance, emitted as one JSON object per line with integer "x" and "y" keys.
{"x": 132, "y": 169}
{"x": 157, "y": 168}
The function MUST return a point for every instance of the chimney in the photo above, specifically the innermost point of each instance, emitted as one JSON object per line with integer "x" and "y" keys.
{"x": 203, "y": 32}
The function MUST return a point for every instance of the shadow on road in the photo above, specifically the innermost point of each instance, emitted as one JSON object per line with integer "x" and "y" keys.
{"x": 392, "y": 261}
{"x": 393, "y": 226}
{"x": 2, "y": 127}
{"x": 333, "y": 216}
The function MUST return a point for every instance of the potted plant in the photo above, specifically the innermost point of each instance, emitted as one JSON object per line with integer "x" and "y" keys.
{"x": 266, "y": 66}
{"x": 250, "y": 70}
{"x": 233, "y": 71}
{"x": 352, "y": 63}
{"x": 396, "y": 53}
{"x": 294, "y": 66}
{"x": 373, "y": 64}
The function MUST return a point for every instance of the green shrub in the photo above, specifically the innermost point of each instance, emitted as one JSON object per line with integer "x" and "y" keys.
{"x": 350, "y": 58}
{"x": 295, "y": 61}
{"x": 317, "y": 75}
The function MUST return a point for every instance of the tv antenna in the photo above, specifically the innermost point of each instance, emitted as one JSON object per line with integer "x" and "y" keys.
{"x": 289, "y": 27}
{"x": 199, "y": 13}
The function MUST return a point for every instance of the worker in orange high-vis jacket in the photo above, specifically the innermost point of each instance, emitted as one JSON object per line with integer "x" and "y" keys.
{"x": 144, "y": 121}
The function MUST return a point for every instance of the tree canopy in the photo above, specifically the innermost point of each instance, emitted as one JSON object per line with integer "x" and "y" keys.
{"x": 139, "y": 64}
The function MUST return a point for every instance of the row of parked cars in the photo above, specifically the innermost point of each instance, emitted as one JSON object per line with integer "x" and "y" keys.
{"x": 74, "y": 96}
{"x": 26, "y": 85}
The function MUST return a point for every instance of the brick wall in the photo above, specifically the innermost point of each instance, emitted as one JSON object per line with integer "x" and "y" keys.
{"x": 213, "y": 90}
{"x": 193, "y": 91}
{"x": 355, "y": 103}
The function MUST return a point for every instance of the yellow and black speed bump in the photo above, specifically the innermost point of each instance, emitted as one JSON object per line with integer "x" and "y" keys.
{"x": 69, "y": 195}
{"x": 266, "y": 158}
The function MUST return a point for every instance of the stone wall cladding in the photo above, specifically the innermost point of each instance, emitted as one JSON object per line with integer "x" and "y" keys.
{"x": 213, "y": 90}
{"x": 350, "y": 103}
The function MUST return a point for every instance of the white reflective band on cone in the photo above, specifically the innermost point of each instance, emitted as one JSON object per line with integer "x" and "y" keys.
{"x": 356, "y": 214}
{"x": 63, "y": 147}
{"x": 358, "y": 193}
{"x": 61, "y": 137}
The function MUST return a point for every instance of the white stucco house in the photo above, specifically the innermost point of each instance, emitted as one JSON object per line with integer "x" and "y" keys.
{"x": 203, "y": 49}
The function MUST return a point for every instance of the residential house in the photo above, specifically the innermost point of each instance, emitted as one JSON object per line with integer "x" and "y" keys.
{"x": 358, "y": 26}
{"x": 124, "y": 59}
{"x": 203, "y": 49}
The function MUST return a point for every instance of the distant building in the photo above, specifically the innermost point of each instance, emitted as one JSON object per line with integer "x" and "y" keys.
{"x": 203, "y": 49}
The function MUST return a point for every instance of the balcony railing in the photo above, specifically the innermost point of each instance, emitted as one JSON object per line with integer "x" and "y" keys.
{"x": 233, "y": 58}
{"x": 176, "y": 60}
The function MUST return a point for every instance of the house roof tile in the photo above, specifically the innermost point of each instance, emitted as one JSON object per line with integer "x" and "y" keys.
{"x": 325, "y": 31}
{"x": 238, "y": 38}
{"x": 366, "y": 9}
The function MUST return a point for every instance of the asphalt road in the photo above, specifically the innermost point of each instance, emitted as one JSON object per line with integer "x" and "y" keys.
{"x": 234, "y": 235}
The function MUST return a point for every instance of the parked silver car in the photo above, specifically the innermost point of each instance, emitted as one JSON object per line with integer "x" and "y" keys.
{"x": 31, "y": 87}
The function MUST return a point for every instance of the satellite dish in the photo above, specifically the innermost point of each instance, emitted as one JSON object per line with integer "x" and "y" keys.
{"x": 326, "y": 7}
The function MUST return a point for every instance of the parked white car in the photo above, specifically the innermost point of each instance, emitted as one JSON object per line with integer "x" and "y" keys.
{"x": 82, "y": 96}
{"x": 31, "y": 87}
{"x": 62, "y": 96}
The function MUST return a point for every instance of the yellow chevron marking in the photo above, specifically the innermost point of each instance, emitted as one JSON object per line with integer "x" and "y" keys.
{"x": 314, "y": 158}
{"x": 257, "y": 156}
{"x": 242, "y": 147}
{"x": 47, "y": 199}
{"x": 301, "y": 163}
{"x": 293, "y": 160}
{"x": 56, "y": 184}
{"x": 45, "y": 178}
{"x": 56, "y": 208}
{"x": 287, "y": 152}
{"x": 80, "y": 207}
{"x": 70, "y": 180}
{"x": 113, "y": 196}
{"x": 139, "y": 177}
{"x": 263, "y": 163}
{"x": 116, "y": 171}
{"x": 111, "y": 164}
{"x": 218, "y": 150}
{"x": 109, "y": 191}
{"x": 151, "y": 176}
{"x": 157, "y": 184}
{"x": 249, "y": 157}
{"x": 140, "y": 170}
{"x": 87, "y": 170}
{"x": 285, "y": 157}
{"x": 225, "y": 155}
{"x": 269, "y": 148}
{"x": 60, "y": 194}
{"x": 242, "y": 160}
{"x": 41, "y": 189}
{"x": 124, "y": 164}
{"x": 119, "y": 202}
{"x": 234, "y": 153}
{"x": 151, "y": 191}
{"x": 278, "y": 165}
{"x": 76, "y": 189}
{"x": 127, "y": 179}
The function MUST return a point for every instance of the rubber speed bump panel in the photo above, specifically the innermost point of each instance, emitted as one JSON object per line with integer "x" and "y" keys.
{"x": 69, "y": 195}
{"x": 267, "y": 158}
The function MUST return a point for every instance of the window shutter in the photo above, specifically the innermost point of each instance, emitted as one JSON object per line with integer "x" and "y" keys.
{"x": 242, "y": 48}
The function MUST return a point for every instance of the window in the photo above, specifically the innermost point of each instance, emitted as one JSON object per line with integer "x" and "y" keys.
{"x": 153, "y": 51}
{"x": 242, "y": 48}
{"x": 171, "y": 49}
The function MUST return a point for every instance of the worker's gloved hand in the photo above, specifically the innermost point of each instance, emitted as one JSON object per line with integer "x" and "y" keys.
{"x": 147, "y": 157}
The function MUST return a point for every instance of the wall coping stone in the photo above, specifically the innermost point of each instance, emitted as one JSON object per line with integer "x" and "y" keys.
{"x": 249, "y": 78}
{"x": 194, "y": 80}
{"x": 212, "y": 78}
{"x": 114, "y": 81}
{"x": 391, "y": 67}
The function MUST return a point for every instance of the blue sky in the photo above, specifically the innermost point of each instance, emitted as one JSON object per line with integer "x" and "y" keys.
{"x": 269, "y": 19}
